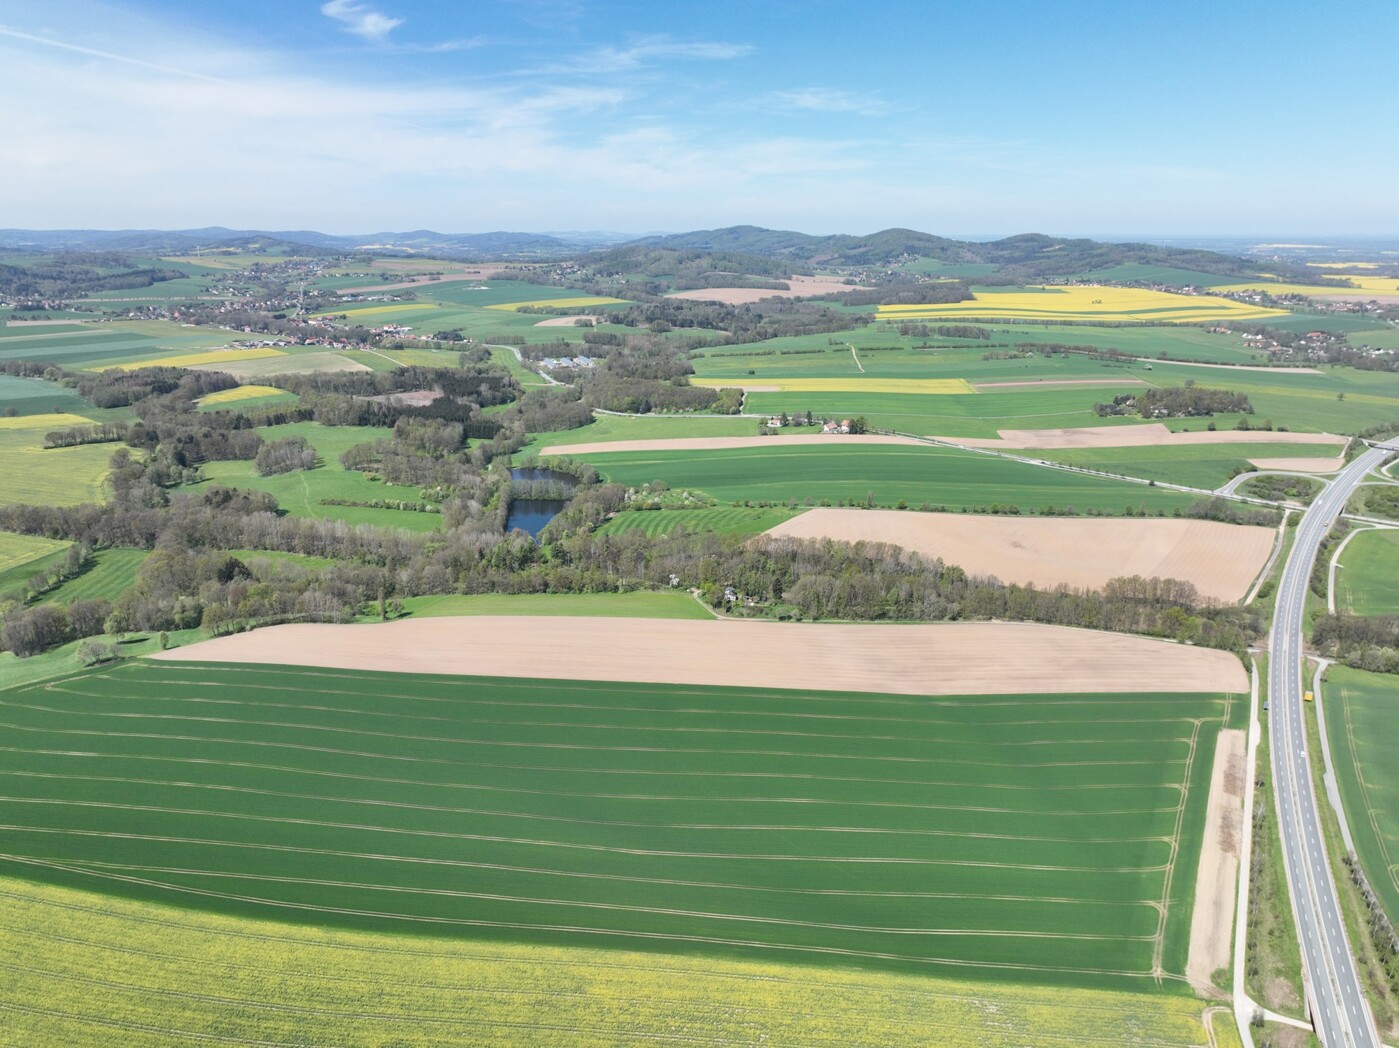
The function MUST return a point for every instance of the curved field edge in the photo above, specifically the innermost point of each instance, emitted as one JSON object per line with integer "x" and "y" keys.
{"x": 80, "y": 969}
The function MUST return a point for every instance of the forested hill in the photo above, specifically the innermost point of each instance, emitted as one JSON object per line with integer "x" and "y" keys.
{"x": 1028, "y": 254}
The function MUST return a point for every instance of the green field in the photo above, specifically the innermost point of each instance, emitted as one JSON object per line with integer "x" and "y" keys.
{"x": 1367, "y": 580}
{"x": 641, "y": 604}
{"x": 1360, "y": 711}
{"x": 37, "y": 476}
{"x": 735, "y": 520}
{"x": 23, "y": 556}
{"x": 1026, "y": 839}
{"x": 301, "y": 491}
{"x": 113, "y": 571}
{"x": 34, "y": 396}
{"x": 88, "y": 971}
{"x": 1197, "y": 465}
{"x": 933, "y": 475}
{"x": 647, "y": 427}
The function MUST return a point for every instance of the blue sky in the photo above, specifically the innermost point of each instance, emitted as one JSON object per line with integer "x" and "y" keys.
{"x": 1109, "y": 118}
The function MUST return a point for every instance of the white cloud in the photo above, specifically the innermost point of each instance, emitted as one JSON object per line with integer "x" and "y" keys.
{"x": 830, "y": 100}
{"x": 644, "y": 51}
{"x": 360, "y": 19}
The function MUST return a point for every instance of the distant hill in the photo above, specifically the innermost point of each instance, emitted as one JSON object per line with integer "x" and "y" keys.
{"x": 1026, "y": 256}
{"x": 302, "y": 241}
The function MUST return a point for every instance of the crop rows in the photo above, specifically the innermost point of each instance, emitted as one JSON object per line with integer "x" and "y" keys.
{"x": 1034, "y": 838}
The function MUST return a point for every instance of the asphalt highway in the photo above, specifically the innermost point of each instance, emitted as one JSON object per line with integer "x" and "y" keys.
{"x": 1339, "y": 1009}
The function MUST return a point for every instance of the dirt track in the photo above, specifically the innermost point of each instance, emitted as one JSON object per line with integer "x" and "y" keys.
{"x": 1148, "y": 435}
{"x": 1222, "y": 560}
{"x": 1212, "y": 921}
{"x": 723, "y": 443}
{"x": 945, "y": 659}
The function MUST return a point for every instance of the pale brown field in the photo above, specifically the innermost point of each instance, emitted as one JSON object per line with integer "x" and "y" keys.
{"x": 738, "y": 296}
{"x": 1148, "y": 435}
{"x": 569, "y": 321}
{"x": 1212, "y": 919}
{"x": 1301, "y": 465}
{"x": 1222, "y": 560}
{"x": 723, "y": 443}
{"x": 981, "y": 658}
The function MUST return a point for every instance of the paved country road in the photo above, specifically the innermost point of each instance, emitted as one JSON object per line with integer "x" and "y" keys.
{"x": 1339, "y": 1009}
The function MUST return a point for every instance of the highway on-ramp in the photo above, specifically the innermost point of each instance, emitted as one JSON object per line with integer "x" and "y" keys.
{"x": 1339, "y": 1009}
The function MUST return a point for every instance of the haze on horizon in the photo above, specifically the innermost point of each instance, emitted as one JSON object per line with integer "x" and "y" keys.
{"x": 349, "y": 116}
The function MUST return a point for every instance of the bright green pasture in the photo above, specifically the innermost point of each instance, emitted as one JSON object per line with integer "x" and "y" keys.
{"x": 938, "y": 476}
{"x": 301, "y": 491}
{"x": 640, "y": 604}
{"x": 1360, "y": 713}
{"x": 1129, "y": 272}
{"x": 1196, "y": 465}
{"x": 34, "y": 396}
{"x": 1367, "y": 580}
{"x": 647, "y": 427}
{"x": 112, "y": 573}
{"x": 22, "y": 556}
{"x": 953, "y": 415}
{"x": 34, "y": 475}
{"x": 1023, "y": 838}
{"x": 81, "y": 966}
{"x": 733, "y": 520}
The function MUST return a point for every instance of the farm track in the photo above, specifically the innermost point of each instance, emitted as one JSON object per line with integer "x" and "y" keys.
{"x": 809, "y": 858}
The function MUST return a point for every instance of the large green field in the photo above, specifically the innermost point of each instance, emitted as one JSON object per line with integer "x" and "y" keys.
{"x": 83, "y": 970}
{"x": 1367, "y": 580}
{"x": 641, "y": 604}
{"x": 23, "y": 556}
{"x": 936, "y": 476}
{"x": 1196, "y": 465}
{"x": 37, "y": 476}
{"x": 112, "y": 572}
{"x": 735, "y": 520}
{"x": 1032, "y": 839}
{"x": 1360, "y": 714}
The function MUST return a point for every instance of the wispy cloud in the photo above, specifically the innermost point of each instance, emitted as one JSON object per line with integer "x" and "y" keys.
{"x": 830, "y": 100}
{"x": 645, "y": 51}
{"x": 112, "y": 56}
{"x": 360, "y": 19}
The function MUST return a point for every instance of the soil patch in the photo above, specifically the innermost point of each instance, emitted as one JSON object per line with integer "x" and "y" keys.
{"x": 724, "y": 443}
{"x": 570, "y": 321}
{"x": 978, "y": 658}
{"x": 1222, "y": 560}
{"x": 801, "y": 287}
{"x": 1212, "y": 921}
{"x": 1147, "y": 435}
{"x": 1302, "y": 465}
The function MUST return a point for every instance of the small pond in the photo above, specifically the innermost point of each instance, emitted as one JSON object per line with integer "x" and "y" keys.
{"x": 531, "y": 514}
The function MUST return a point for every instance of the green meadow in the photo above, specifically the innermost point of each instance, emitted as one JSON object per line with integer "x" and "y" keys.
{"x": 640, "y": 604}
{"x": 1197, "y": 465}
{"x": 1367, "y": 580}
{"x": 733, "y": 520}
{"x": 1360, "y": 709}
{"x": 113, "y": 571}
{"x": 943, "y": 477}
{"x": 829, "y": 829}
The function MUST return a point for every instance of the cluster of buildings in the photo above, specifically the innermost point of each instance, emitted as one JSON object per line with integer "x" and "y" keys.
{"x": 550, "y": 363}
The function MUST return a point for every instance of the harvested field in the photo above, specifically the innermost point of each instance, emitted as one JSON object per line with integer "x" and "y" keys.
{"x": 1222, "y": 560}
{"x": 799, "y": 287}
{"x": 944, "y": 659}
{"x": 1033, "y": 383}
{"x": 1301, "y": 465}
{"x": 1212, "y": 921}
{"x": 571, "y": 321}
{"x": 726, "y": 443}
{"x": 1147, "y": 435}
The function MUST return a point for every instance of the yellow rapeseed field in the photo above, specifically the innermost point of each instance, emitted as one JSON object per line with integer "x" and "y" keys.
{"x": 846, "y": 385}
{"x": 564, "y": 303}
{"x": 35, "y": 475}
{"x": 21, "y": 549}
{"x": 1373, "y": 285}
{"x": 189, "y": 360}
{"x": 1086, "y": 303}
{"x": 44, "y": 423}
{"x": 82, "y": 969}
{"x": 237, "y": 393}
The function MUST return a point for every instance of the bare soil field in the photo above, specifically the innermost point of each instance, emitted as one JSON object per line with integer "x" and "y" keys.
{"x": 737, "y": 296}
{"x": 1212, "y": 920}
{"x": 1030, "y": 384}
{"x": 570, "y": 321}
{"x": 1222, "y": 560}
{"x": 1148, "y": 435}
{"x": 43, "y": 323}
{"x": 976, "y": 658}
{"x": 1236, "y": 367}
{"x": 723, "y": 443}
{"x": 1302, "y": 465}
